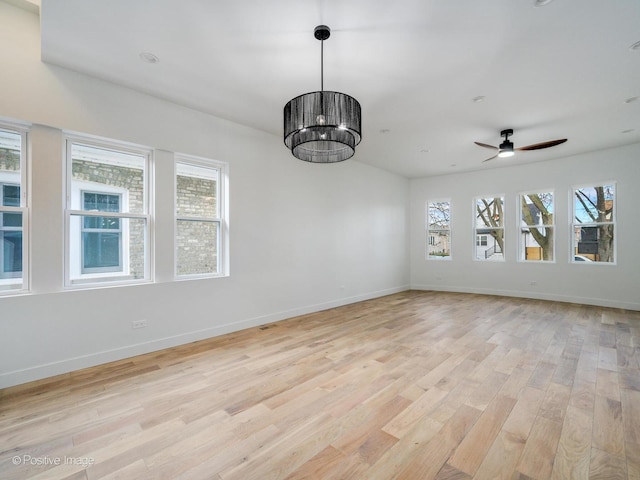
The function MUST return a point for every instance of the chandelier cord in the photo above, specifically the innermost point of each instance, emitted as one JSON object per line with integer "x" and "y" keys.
{"x": 321, "y": 65}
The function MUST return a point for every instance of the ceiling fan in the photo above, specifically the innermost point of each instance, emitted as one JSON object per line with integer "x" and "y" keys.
{"x": 506, "y": 148}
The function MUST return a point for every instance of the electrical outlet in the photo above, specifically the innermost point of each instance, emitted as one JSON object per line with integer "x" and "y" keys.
{"x": 138, "y": 324}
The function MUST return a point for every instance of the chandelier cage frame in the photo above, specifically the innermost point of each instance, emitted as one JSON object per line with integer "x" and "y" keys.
{"x": 322, "y": 126}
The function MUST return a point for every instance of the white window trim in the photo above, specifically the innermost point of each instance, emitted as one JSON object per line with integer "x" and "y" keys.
{"x": 573, "y": 224}
{"x": 475, "y": 228}
{"x": 429, "y": 230}
{"x": 72, "y": 199}
{"x": 222, "y": 214}
{"x": 9, "y": 286}
{"x": 521, "y": 225}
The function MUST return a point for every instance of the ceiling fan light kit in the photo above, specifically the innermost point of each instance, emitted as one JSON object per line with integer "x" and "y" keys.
{"x": 506, "y": 148}
{"x": 323, "y": 126}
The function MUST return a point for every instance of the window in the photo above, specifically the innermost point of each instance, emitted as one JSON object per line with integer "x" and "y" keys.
{"x": 107, "y": 213}
{"x": 200, "y": 238}
{"x": 489, "y": 228}
{"x": 537, "y": 227}
{"x": 13, "y": 211}
{"x": 439, "y": 230}
{"x": 594, "y": 224}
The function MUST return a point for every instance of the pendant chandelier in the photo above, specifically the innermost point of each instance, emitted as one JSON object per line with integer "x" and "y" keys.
{"x": 324, "y": 126}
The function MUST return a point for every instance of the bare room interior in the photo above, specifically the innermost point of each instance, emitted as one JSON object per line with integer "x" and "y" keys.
{"x": 324, "y": 240}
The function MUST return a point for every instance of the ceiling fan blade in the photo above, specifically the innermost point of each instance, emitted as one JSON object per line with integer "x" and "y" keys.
{"x": 485, "y": 145}
{"x": 491, "y": 158}
{"x": 538, "y": 146}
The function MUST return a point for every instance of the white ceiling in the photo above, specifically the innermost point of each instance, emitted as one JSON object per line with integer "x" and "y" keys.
{"x": 563, "y": 70}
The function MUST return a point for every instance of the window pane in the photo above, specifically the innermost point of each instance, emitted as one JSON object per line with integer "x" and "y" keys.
{"x": 102, "y": 223}
{"x": 489, "y": 212}
{"x": 197, "y": 247}
{"x": 11, "y": 253}
{"x": 10, "y": 148}
{"x": 537, "y": 243}
{"x": 593, "y": 244}
{"x": 439, "y": 215}
{"x": 10, "y": 195}
{"x": 102, "y": 250}
{"x": 10, "y": 220}
{"x": 101, "y": 202}
{"x": 537, "y": 208}
{"x": 439, "y": 244}
{"x": 108, "y": 253}
{"x": 196, "y": 191}
{"x": 594, "y": 204}
{"x": 489, "y": 244}
{"x": 108, "y": 170}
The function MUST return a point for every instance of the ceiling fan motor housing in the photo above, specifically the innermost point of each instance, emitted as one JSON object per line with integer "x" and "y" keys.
{"x": 506, "y": 133}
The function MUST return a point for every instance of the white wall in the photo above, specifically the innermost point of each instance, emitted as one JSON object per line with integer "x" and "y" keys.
{"x": 594, "y": 284}
{"x": 303, "y": 237}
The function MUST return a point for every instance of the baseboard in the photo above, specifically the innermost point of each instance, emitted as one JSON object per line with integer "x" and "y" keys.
{"x": 39, "y": 372}
{"x": 598, "y": 302}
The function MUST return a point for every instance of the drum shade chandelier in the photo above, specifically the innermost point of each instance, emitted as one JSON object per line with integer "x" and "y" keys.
{"x": 324, "y": 126}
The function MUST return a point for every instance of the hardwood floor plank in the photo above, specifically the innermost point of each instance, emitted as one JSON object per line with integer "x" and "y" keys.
{"x": 502, "y": 458}
{"x": 608, "y": 433}
{"x": 541, "y": 376}
{"x": 428, "y": 461}
{"x": 631, "y": 415}
{"x": 554, "y": 404}
{"x": 475, "y": 445}
{"x": 524, "y": 413}
{"x": 540, "y": 450}
{"x": 418, "y": 409}
{"x": 574, "y": 448}
{"x": 605, "y": 466}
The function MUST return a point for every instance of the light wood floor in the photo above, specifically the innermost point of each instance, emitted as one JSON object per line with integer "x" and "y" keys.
{"x": 417, "y": 385}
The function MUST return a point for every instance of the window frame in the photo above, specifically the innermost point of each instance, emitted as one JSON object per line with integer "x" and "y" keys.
{"x": 476, "y": 229}
{"x": 522, "y": 244}
{"x": 434, "y": 232}
{"x": 574, "y": 224}
{"x": 8, "y": 283}
{"x": 74, "y": 277}
{"x": 221, "y": 218}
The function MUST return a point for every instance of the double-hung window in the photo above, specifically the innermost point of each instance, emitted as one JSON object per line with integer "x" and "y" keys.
{"x": 489, "y": 228}
{"x": 594, "y": 222}
{"x": 13, "y": 211}
{"x": 200, "y": 218}
{"x": 439, "y": 230}
{"x": 537, "y": 227}
{"x": 107, "y": 214}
